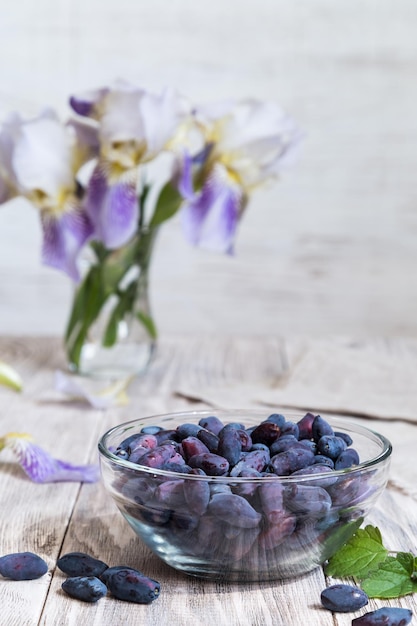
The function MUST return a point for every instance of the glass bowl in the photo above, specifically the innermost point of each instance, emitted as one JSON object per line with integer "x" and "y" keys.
{"x": 255, "y": 527}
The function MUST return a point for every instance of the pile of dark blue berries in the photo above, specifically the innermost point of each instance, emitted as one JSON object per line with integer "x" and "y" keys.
{"x": 276, "y": 446}
{"x": 258, "y": 522}
{"x": 346, "y": 598}
{"x": 89, "y": 578}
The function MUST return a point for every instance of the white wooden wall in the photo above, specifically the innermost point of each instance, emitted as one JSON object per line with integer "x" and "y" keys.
{"x": 332, "y": 248}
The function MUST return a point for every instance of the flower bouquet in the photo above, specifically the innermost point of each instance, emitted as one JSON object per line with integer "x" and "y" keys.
{"x": 104, "y": 182}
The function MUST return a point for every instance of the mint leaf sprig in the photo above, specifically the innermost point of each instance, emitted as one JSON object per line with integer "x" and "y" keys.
{"x": 379, "y": 573}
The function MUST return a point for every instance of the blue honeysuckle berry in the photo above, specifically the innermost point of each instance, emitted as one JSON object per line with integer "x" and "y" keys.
{"x": 22, "y": 566}
{"x": 211, "y": 423}
{"x": 386, "y": 616}
{"x": 343, "y": 598}
{"x": 80, "y": 564}
{"x": 85, "y": 588}
{"x": 346, "y": 459}
{"x": 331, "y": 446}
{"x": 276, "y": 418}
{"x": 105, "y": 576}
{"x": 131, "y": 586}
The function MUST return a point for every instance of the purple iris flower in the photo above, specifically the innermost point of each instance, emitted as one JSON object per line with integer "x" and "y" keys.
{"x": 63, "y": 239}
{"x": 211, "y": 216}
{"x": 247, "y": 144}
{"x": 134, "y": 127}
{"x": 41, "y": 467}
{"x": 113, "y": 209}
{"x": 40, "y": 159}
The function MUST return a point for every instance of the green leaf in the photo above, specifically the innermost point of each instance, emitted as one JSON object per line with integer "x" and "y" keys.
{"x": 361, "y": 554}
{"x": 148, "y": 323}
{"x": 142, "y": 204}
{"x": 9, "y": 377}
{"x": 94, "y": 299}
{"x": 339, "y": 536}
{"x": 75, "y": 346}
{"x": 77, "y": 310}
{"x": 88, "y": 305}
{"x": 87, "y": 301}
{"x": 407, "y": 561}
{"x": 110, "y": 334}
{"x": 114, "y": 268}
{"x": 123, "y": 306}
{"x": 392, "y": 579}
{"x": 168, "y": 203}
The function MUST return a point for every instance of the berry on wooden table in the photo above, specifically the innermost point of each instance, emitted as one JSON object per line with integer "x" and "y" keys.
{"x": 22, "y": 566}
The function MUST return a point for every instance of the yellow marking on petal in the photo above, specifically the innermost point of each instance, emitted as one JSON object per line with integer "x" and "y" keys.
{"x": 14, "y": 435}
{"x": 9, "y": 377}
{"x": 7, "y": 439}
{"x": 188, "y": 134}
{"x": 232, "y": 175}
{"x": 54, "y": 207}
{"x": 124, "y": 155}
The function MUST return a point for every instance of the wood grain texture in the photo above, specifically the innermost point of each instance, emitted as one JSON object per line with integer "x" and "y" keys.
{"x": 332, "y": 247}
{"x": 55, "y": 519}
{"x": 376, "y": 379}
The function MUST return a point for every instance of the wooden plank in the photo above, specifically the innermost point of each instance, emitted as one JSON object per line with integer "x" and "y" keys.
{"x": 375, "y": 378}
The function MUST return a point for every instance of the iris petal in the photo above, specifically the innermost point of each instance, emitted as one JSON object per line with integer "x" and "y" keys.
{"x": 87, "y": 135}
{"x": 210, "y": 219}
{"x": 42, "y": 157}
{"x": 113, "y": 208}
{"x": 9, "y": 377}
{"x": 110, "y": 396}
{"x": 183, "y": 176}
{"x": 4, "y": 190}
{"x": 255, "y": 139}
{"x": 85, "y": 103}
{"x": 8, "y": 132}
{"x": 41, "y": 467}
{"x": 161, "y": 116}
{"x": 63, "y": 239}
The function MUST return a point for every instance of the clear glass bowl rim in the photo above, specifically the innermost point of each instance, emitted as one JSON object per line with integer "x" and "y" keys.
{"x": 339, "y": 422}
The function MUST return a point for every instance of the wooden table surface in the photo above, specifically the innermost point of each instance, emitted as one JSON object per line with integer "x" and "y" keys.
{"x": 54, "y": 519}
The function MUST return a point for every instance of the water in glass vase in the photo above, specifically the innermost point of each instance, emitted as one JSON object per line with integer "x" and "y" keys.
{"x": 130, "y": 354}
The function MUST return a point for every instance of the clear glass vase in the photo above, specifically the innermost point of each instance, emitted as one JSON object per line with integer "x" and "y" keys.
{"x": 110, "y": 331}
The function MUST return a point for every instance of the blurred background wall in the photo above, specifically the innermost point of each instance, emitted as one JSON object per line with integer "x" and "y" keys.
{"x": 332, "y": 246}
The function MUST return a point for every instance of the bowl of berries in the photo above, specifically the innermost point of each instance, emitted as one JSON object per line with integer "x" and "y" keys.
{"x": 242, "y": 495}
